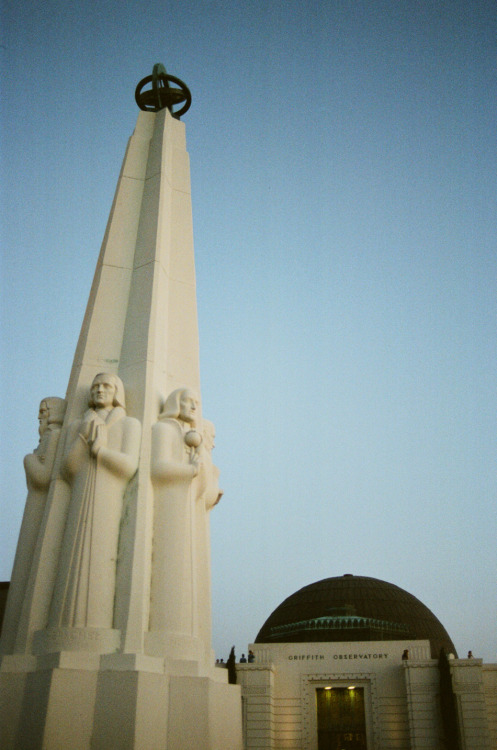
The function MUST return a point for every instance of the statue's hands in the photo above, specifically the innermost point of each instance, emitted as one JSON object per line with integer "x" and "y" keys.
{"x": 86, "y": 429}
{"x": 99, "y": 440}
{"x": 93, "y": 431}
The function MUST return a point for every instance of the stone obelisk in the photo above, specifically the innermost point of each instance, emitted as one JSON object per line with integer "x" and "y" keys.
{"x": 107, "y": 633}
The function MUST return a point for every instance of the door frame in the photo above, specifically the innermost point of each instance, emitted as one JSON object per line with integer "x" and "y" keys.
{"x": 309, "y": 683}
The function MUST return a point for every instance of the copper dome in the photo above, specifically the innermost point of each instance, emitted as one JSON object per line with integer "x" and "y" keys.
{"x": 354, "y": 608}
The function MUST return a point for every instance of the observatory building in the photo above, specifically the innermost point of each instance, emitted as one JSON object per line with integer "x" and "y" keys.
{"x": 356, "y": 663}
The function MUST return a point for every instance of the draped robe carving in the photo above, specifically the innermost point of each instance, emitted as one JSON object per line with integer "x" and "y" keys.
{"x": 38, "y": 467}
{"x": 185, "y": 488}
{"x": 100, "y": 458}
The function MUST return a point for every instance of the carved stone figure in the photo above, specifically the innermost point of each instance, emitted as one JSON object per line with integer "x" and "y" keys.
{"x": 174, "y": 464}
{"x": 38, "y": 467}
{"x": 100, "y": 458}
{"x": 185, "y": 488}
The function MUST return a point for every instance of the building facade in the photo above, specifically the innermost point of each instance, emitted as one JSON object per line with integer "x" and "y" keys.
{"x": 362, "y": 694}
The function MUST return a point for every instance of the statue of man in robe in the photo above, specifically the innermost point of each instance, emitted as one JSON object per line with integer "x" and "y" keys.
{"x": 38, "y": 466}
{"x": 185, "y": 489}
{"x": 100, "y": 458}
{"x": 174, "y": 465}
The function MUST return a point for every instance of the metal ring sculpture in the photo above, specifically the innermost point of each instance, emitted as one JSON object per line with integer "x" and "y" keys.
{"x": 162, "y": 95}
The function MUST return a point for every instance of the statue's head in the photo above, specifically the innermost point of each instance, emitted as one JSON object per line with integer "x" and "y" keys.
{"x": 181, "y": 404}
{"x": 107, "y": 390}
{"x": 43, "y": 416}
{"x": 52, "y": 410}
{"x": 56, "y": 409}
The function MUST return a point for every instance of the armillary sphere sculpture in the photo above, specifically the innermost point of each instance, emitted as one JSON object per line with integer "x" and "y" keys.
{"x": 162, "y": 94}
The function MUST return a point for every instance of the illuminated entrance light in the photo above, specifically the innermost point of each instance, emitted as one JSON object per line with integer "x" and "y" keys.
{"x": 328, "y": 687}
{"x": 351, "y": 687}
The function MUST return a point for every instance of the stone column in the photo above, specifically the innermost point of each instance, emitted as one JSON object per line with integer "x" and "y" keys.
{"x": 422, "y": 688}
{"x": 257, "y": 682}
{"x": 467, "y": 684}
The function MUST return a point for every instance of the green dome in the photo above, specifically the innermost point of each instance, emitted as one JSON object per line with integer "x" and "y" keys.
{"x": 354, "y": 608}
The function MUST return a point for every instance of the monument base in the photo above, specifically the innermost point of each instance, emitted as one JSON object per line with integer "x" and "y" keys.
{"x": 123, "y": 702}
{"x": 96, "y": 640}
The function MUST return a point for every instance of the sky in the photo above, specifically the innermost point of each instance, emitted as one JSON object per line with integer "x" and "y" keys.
{"x": 344, "y": 183}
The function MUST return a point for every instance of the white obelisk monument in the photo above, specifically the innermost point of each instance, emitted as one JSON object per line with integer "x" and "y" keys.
{"x": 107, "y": 633}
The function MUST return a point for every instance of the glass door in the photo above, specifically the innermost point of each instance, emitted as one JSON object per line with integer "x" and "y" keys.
{"x": 341, "y": 718}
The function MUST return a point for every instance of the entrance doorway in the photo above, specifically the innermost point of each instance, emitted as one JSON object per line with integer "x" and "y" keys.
{"x": 341, "y": 718}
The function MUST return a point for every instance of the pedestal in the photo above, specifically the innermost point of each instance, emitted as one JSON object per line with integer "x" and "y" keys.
{"x": 115, "y": 702}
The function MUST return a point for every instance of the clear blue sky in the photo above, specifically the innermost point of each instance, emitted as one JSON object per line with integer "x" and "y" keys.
{"x": 344, "y": 180}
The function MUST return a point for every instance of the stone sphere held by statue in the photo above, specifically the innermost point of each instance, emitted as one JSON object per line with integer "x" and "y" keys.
{"x": 193, "y": 439}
